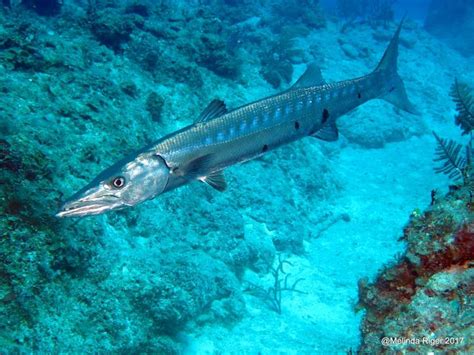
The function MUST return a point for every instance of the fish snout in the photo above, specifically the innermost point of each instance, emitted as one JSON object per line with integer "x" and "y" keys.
{"x": 89, "y": 206}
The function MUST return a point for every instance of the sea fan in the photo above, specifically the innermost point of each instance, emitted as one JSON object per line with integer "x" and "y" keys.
{"x": 454, "y": 164}
{"x": 461, "y": 94}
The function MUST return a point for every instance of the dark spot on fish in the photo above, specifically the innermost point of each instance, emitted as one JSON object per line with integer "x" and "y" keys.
{"x": 391, "y": 89}
{"x": 325, "y": 115}
{"x": 297, "y": 125}
{"x": 359, "y": 95}
{"x": 265, "y": 148}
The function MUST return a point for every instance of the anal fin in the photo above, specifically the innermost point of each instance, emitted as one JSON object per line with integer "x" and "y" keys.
{"x": 328, "y": 132}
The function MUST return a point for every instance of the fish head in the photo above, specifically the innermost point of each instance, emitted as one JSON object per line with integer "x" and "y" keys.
{"x": 126, "y": 183}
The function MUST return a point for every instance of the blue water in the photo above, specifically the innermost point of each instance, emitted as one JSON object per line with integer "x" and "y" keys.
{"x": 84, "y": 84}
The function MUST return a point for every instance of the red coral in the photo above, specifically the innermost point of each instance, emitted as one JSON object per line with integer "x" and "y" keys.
{"x": 399, "y": 281}
{"x": 398, "y": 284}
{"x": 460, "y": 252}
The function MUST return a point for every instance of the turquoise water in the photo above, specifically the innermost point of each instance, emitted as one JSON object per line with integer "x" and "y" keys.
{"x": 84, "y": 84}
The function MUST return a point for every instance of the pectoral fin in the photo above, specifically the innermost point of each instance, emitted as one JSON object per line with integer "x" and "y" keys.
{"x": 197, "y": 167}
{"x": 216, "y": 180}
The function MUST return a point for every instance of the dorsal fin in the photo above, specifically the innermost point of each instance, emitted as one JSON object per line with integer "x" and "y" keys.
{"x": 215, "y": 109}
{"x": 311, "y": 77}
{"x": 328, "y": 132}
{"x": 216, "y": 180}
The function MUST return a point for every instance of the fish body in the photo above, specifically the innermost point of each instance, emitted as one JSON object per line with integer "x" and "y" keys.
{"x": 220, "y": 138}
{"x": 254, "y": 129}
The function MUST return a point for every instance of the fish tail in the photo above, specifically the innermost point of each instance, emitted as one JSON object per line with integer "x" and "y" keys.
{"x": 388, "y": 65}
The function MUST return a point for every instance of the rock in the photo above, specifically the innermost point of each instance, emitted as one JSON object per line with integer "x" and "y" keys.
{"x": 214, "y": 55}
{"x": 112, "y": 29}
{"x": 408, "y": 41}
{"x": 407, "y": 37}
{"x": 290, "y": 239}
{"x": 42, "y": 7}
{"x": 260, "y": 246}
{"x": 138, "y": 9}
{"x": 375, "y": 131}
{"x": 154, "y": 105}
{"x": 277, "y": 72}
{"x": 382, "y": 36}
{"x": 129, "y": 88}
{"x": 272, "y": 77}
{"x": 350, "y": 50}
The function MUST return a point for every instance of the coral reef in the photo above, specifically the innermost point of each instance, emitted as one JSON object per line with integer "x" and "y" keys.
{"x": 426, "y": 296}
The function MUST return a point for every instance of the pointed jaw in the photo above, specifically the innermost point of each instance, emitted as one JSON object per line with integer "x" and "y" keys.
{"x": 88, "y": 207}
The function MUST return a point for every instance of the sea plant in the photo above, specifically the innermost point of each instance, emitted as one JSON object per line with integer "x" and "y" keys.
{"x": 272, "y": 295}
{"x": 461, "y": 94}
{"x": 277, "y": 65}
{"x": 456, "y": 159}
{"x": 455, "y": 165}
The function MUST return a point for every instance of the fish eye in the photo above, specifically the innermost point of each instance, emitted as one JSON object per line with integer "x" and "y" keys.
{"x": 119, "y": 182}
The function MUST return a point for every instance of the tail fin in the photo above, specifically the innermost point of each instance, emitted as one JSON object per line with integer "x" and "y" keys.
{"x": 388, "y": 64}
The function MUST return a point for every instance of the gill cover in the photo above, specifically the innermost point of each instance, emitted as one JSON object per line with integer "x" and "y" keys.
{"x": 145, "y": 177}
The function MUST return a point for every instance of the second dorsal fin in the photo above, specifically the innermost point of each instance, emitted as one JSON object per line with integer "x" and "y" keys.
{"x": 311, "y": 77}
{"x": 215, "y": 109}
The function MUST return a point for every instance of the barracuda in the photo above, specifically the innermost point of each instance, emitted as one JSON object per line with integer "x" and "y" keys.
{"x": 221, "y": 138}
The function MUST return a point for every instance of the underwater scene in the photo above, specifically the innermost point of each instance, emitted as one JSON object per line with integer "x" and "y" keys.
{"x": 236, "y": 176}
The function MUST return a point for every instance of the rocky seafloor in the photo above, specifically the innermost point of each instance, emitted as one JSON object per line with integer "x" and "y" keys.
{"x": 91, "y": 82}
